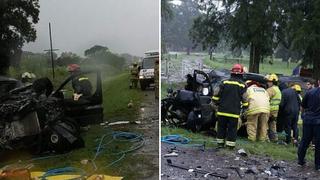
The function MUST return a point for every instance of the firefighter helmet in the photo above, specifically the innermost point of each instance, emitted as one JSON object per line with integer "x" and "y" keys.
{"x": 297, "y": 87}
{"x": 251, "y": 82}
{"x": 28, "y": 75}
{"x": 272, "y": 78}
{"x": 73, "y": 67}
{"x": 237, "y": 69}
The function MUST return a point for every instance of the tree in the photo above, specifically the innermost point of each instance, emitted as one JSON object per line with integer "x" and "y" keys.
{"x": 207, "y": 28}
{"x": 247, "y": 24}
{"x": 68, "y": 58}
{"x": 166, "y": 11}
{"x": 304, "y": 23}
{"x": 94, "y": 50}
{"x": 175, "y": 33}
{"x": 103, "y": 55}
{"x": 16, "y": 28}
{"x": 253, "y": 24}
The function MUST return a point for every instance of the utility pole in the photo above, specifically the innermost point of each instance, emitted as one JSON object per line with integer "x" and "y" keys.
{"x": 51, "y": 51}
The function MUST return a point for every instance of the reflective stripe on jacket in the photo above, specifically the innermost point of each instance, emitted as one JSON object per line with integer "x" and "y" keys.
{"x": 258, "y": 99}
{"x": 275, "y": 98}
{"x": 229, "y": 98}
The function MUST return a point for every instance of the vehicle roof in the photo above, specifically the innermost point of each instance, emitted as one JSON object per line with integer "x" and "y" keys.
{"x": 151, "y": 54}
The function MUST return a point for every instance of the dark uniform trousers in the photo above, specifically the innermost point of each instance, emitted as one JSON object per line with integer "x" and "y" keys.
{"x": 291, "y": 124}
{"x": 227, "y": 131}
{"x": 310, "y": 132}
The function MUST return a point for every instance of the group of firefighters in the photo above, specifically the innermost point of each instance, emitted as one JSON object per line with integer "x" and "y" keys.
{"x": 263, "y": 107}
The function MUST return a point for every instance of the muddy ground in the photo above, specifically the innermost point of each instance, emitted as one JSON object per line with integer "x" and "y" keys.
{"x": 145, "y": 161}
{"x": 221, "y": 161}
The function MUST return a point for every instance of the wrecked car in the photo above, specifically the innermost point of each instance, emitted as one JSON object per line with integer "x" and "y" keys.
{"x": 190, "y": 107}
{"x": 37, "y": 118}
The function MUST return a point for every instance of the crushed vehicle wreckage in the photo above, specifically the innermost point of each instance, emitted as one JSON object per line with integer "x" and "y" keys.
{"x": 192, "y": 107}
{"x": 37, "y": 118}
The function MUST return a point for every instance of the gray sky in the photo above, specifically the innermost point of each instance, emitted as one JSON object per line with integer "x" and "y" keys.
{"x": 124, "y": 26}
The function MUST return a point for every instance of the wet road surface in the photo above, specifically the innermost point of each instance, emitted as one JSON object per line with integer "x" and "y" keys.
{"x": 225, "y": 162}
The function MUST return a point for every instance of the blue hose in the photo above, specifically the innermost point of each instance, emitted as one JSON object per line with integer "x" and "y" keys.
{"x": 64, "y": 170}
{"x": 120, "y": 136}
{"x": 175, "y": 139}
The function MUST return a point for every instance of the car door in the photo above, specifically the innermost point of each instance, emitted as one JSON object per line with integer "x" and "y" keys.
{"x": 88, "y": 110}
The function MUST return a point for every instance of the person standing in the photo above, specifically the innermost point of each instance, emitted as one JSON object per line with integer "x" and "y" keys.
{"x": 229, "y": 98}
{"x": 258, "y": 111}
{"x": 311, "y": 126}
{"x": 290, "y": 108}
{"x": 310, "y": 84}
{"x": 134, "y": 72}
{"x": 275, "y": 99}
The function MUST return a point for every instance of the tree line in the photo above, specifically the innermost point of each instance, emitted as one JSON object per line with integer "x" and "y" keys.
{"x": 262, "y": 27}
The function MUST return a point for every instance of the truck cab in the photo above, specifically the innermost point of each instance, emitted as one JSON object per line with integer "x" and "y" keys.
{"x": 146, "y": 73}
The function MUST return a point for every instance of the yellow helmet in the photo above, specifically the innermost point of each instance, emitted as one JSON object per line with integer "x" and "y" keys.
{"x": 272, "y": 77}
{"x": 297, "y": 87}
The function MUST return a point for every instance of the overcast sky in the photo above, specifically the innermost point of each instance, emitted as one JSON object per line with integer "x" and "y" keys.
{"x": 124, "y": 26}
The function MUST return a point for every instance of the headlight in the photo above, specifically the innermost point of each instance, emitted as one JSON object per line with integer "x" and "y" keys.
{"x": 205, "y": 91}
{"x": 140, "y": 77}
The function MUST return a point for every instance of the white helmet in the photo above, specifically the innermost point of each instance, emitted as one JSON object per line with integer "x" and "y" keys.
{"x": 27, "y": 75}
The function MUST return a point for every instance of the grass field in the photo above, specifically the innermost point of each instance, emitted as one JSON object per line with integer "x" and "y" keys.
{"x": 226, "y": 62}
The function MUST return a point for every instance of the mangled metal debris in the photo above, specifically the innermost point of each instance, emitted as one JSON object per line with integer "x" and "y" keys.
{"x": 31, "y": 119}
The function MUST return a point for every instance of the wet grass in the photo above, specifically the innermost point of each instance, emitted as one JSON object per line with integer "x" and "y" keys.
{"x": 222, "y": 61}
{"x": 276, "y": 151}
{"x": 108, "y": 162}
{"x": 117, "y": 95}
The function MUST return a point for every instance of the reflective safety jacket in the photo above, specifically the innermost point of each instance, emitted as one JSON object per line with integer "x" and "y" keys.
{"x": 275, "y": 97}
{"x": 134, "y": 71}
{"x": 258, "y": 99}
{"x": 229, "y": 97}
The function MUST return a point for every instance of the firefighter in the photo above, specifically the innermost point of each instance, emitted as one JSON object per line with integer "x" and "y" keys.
{"x": 258, "y": 111}
{"x": 27, "y": 78}
{"x": 134, "y": 71}
{"x": 275, "y": 99}
{"x": 156, "y": 78}
{"x": 311, "y": 126}
{"x": 290, "y": 108}
{"x": 229, "y": 98}
{"x": 81, "y": 85}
